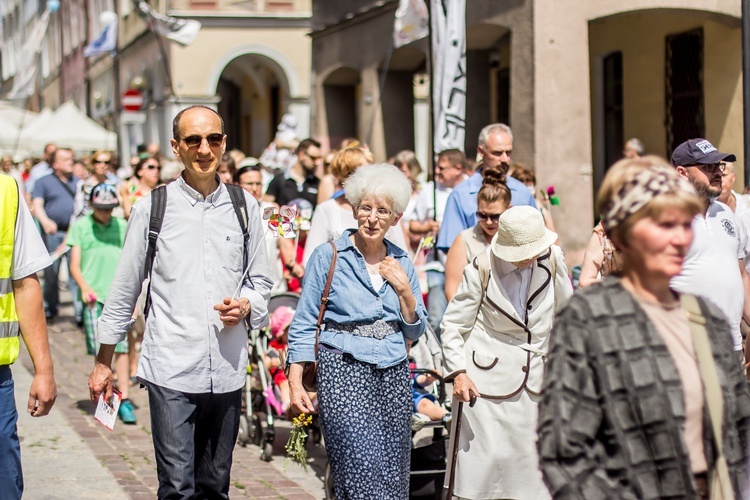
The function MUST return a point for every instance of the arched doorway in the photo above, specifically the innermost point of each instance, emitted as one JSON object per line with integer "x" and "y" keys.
{"x": 254, "y": 93}
{"x": 341, "y": 89}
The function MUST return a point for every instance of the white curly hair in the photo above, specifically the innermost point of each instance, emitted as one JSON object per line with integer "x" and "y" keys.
{"x": 382, "y": 181}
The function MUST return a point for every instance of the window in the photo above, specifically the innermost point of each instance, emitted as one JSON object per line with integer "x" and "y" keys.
{"x": 613, "y": 114}
{"x": 684, "y": 88}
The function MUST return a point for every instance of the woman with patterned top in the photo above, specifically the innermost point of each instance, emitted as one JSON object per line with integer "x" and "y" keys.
{"x": 642, "y": 395}
{"x": 145, "y": 178}
{"x": 374, "y": 309}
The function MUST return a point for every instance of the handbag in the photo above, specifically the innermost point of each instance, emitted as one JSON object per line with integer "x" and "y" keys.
{"x": 719, "y": 482}
{"x": 310, "y": 370}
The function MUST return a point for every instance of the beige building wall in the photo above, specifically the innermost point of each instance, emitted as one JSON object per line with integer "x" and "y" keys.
{"x": 644, "y": 72}
{"x": 562, "y": 91}
{"x": 196, "y": 69}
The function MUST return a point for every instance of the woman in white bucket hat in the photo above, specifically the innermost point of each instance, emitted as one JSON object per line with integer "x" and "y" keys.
{"x": 495, "y": 337}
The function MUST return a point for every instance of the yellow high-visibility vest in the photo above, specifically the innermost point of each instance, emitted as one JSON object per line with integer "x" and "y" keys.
{"x": 9, "y": 330}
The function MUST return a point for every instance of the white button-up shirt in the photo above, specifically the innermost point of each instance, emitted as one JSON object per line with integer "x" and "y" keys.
{"x": 199, "y": 258}
{"x": 516, "y": 282}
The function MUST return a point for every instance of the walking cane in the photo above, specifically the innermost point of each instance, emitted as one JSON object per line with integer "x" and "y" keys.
{"x": 457, "y": 417}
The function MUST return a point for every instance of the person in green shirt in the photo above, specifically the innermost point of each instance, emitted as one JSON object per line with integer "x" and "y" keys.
{"x": 96, "y": 244}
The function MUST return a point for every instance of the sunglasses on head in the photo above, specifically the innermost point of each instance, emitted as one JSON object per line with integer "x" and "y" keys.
{"x": 494, "y": 218}
{"x": 194, "y": 141}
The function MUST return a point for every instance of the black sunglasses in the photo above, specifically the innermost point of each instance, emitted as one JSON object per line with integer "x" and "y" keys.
{"x": 107, "y": 162}
{"x": 494, "y": 218}
{"x": 194, "y": 141}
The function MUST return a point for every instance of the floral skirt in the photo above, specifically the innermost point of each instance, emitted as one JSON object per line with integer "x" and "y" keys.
{"x": 365, "y": 413}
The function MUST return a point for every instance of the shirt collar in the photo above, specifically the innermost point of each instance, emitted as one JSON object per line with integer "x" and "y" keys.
{"x": 344, "y": 242}
{"x": 506, "y": 267}
{"x": 194, "y": 196}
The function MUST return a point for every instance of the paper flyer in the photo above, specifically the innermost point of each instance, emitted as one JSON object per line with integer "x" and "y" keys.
{"x": 105, "y": 413}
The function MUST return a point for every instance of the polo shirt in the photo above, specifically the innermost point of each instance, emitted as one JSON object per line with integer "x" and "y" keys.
{"x": 58, "y": 201}
{"x": 711, "y": 267}
{"x": 285, "y": 188}
{"x": 101, "y": 246}
{"x": 461, "y": 208}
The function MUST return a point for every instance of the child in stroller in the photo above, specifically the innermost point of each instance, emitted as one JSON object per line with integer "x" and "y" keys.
{"x": 426, "y": 406}
{"x": 275, "y": 355}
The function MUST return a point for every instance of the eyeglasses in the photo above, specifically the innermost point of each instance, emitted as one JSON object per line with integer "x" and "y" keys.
{"x": 494, "y": 218}
{"x": 711, "y": 168}
{"x": 438, "y": 168}
{"x": 106, "y": 162}
{"x": 380, "y": 213}
{"x": 151, "y": 166}
{"x": 195, "y": 141}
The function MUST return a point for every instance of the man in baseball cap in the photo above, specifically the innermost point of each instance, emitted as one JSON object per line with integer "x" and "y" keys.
{"x": 702, "y": 164}
{"x": 714, "y": 266}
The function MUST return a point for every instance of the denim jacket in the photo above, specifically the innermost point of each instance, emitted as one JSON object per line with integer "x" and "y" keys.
{"x": 352, "y": 299}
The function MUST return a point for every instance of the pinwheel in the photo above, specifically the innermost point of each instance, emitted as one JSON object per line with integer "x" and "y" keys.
{"x": 281, "y": 220}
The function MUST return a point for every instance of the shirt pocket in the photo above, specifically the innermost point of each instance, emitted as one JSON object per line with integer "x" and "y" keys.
{"x": 232, "y": 250}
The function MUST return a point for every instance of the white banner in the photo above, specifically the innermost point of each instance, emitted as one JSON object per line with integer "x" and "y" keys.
{"x": 27, "y": 64}
{"x": 412, "y": 22}
{"x": 448, "y": 19}
{"x": 182, "y": 31}
{"x": 105, "y": 42}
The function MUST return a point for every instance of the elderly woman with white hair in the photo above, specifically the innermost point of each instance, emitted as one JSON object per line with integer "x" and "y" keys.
{"x": 373, "y": 309}
{"x": 495, "y": 334}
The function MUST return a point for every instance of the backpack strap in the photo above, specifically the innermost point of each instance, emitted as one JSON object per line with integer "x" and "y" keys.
{"x": 158, "y": 208}
{"x": 237, "y": 195}
{"x": 482, "y": 264}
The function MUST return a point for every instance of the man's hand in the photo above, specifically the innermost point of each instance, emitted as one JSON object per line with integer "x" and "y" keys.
{"x": 49, "y": 226}
{"x": 231, "y": 312}
{"x": 101, "y": 382}
{"x": 42, "y": 394}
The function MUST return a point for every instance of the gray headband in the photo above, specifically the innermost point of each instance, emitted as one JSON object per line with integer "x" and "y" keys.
{"x": 636, "y": 193}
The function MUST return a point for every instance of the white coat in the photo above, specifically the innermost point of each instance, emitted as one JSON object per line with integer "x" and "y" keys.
{"x": 503, "y": 354}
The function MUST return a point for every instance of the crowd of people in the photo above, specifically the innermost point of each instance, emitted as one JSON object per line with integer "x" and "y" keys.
{"x": 634, "y": 386}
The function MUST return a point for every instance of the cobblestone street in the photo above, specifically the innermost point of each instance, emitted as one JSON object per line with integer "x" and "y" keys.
{"x": 127, "y": 452}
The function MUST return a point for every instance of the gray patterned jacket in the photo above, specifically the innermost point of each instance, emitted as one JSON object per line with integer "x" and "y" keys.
{"x": 612, "y": 408}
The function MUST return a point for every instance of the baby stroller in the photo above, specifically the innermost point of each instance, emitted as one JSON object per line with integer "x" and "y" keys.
{"x": 429, "y": 445}
{"x": 260, "y": 402}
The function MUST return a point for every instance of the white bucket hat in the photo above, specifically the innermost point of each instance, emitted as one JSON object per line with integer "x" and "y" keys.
{"x": 521, "y": 235}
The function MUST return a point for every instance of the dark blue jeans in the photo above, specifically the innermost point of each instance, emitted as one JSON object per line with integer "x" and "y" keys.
{"x": 11, "y": 476}
{"x": 194, "y": 436}
{"x": 51, "y": 290}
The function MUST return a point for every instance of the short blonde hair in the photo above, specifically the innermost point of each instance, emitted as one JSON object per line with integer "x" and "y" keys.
{"x": 624, "y": 172}
{"x": 348, "y": 160}
{"x": 379, "y": 180}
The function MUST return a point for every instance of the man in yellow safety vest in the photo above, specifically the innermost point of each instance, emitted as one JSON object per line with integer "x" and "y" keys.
{"x": 22, "y": 255}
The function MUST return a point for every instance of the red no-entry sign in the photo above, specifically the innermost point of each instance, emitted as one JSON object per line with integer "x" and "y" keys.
{"x": 132, "y": 100}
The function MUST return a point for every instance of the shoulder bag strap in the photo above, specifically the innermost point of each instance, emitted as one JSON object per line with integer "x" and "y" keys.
{"x": 158, "y": 209}
{"x": 324, "y": 297}
{"x": 65, "y": 185}
{"x": 721, "y": 484}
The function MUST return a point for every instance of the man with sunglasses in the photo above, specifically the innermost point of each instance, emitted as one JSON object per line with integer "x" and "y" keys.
{"x": 495, "y": 148}
{"x": 299, "y": 181}
{"x": 194, "y": 354}
{"x": 714, "y": 266}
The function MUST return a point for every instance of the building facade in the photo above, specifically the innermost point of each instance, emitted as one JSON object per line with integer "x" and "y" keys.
{"x": 573, "y": 79}
{"x": 250, "y": 61}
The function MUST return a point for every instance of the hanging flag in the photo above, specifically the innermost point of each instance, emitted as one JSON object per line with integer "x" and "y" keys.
{"x": 412, "y": 22}
{"x": 27, "y": 64}
{"x": 182, "y": 31}
{"x": 105, "y": 42}
{"x": 448, "y": 18}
